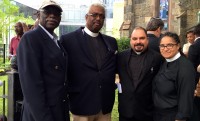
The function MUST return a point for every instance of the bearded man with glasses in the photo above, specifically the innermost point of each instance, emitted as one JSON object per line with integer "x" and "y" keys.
{"x": 137, "y": 66}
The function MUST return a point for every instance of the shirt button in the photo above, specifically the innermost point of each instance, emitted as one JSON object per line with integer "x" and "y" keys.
{"x": 56, "y": 67}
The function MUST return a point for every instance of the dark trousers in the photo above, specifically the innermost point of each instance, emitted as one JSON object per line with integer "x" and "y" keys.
{"x": 165, "y": 116}
{"x": 121, "y": 118}
{"x": 196, "y": 110}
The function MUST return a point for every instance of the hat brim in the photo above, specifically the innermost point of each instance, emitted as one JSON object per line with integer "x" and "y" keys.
{"x": 57, "y": 6}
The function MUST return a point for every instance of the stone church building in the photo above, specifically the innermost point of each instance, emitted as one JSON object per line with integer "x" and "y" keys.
{"x": 182, "y": 15}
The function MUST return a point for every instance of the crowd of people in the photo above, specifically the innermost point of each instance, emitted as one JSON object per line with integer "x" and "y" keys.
{"x": 76, "y": 72}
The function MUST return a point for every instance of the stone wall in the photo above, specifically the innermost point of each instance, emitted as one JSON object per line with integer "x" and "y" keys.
{"x": 138, "y": 12}
{"x": 183, "y": 15}
{"x": 190, "y": 17}
{"x": 142, "y": 13}
{"x": 128, "y": 18}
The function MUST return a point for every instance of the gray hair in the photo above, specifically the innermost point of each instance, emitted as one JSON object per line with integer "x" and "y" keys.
{"x": 96, "y": 5}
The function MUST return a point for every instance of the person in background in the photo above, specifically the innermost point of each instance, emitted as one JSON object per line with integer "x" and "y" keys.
{"x": 15, "y": 40}
{"x": 190, "y": 40}
{"x": 35, "y": 24}
{"x": 92, "y": 68}
{"x": 137, "y": 67}
{"x": 173, "y": 86}
{"x": 42, "y": 67}
{"x": 36, "y": 21}
{"x": 25, "y": 27}
{"x": 19, "y": 30}
{"x": 30, "y": 26}
{"x": 154, "y": 28}
{"x": 194, "y": 49}
{"x": 194, "y": 57}
{"x": 197, "y": 91}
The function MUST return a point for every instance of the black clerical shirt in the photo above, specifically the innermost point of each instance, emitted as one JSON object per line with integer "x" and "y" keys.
{"x": 136, "y": 64}
{"x": 173, "y": 88}
{"x": 97, "y": 48}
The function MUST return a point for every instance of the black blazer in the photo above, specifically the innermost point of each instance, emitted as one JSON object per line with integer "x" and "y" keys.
{"x": 194, "y": 53}
{"x": 90, "y": 89}
{"x": 154, "y": 42}
{"x": 136, "y": 101}
{"x": 194, "y": 57}
{"x": 42, "y": 70}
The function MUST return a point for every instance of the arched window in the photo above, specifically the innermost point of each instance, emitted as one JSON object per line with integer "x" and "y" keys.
{"x": 164, "y": 12}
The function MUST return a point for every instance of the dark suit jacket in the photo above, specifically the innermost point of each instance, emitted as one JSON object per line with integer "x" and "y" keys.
{"x": 194, "y": 57}
{"x": 136, "y": 100}
{"x": 154, "y": 42}
{"x": 42, "y": 70}
{"x": 90, "y": 89}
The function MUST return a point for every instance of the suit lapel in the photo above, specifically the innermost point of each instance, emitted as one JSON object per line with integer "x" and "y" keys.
{"x": 86, "y": 49}
{"x": 48, "y": 41}
{"x": 128, "y": 70}
{"x": 127, "y": 59}
{"x": 110, "y": 51}
{"x": 64, "y": 55}
{"x": 84, "y": 45}
{"x": 51, "y": 45}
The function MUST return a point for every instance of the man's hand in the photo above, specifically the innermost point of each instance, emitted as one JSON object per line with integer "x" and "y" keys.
{"x": 197, "y": 90}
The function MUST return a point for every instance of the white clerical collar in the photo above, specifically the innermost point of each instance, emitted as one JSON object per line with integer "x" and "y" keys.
{"x": 138, "y": 53}
{"x": 90, "y": 33}
{"x": 150, "y": 32}
{"x": 174, "y": 58}
{"x": 196, "y": 38}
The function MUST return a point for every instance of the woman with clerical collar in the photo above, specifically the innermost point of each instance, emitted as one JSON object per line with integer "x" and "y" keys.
{"x": 173, "y": 86}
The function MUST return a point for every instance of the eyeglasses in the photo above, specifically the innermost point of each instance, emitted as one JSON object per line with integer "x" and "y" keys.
{"x": 95, "y": 15}
{"x": 168, "y": 46}
{"x": 51, "y": 11}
